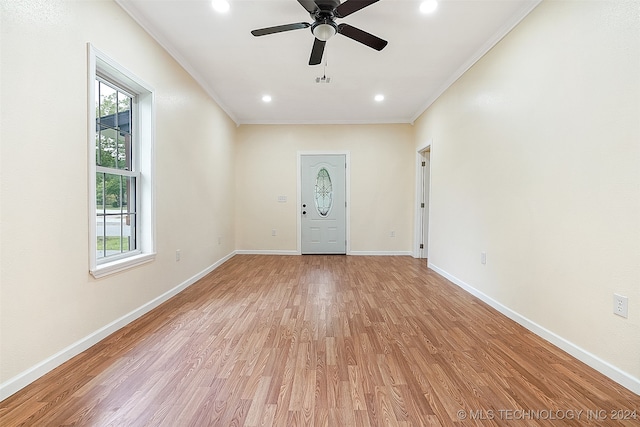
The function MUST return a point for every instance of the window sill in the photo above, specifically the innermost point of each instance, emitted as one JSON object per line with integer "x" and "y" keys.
{"x": 113, "y": 267}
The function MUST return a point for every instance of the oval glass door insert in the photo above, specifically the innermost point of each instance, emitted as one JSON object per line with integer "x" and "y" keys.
{"x": 323, "y": 192}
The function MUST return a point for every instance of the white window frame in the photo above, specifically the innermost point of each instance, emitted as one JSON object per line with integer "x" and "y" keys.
{"x": 143, "y": 127}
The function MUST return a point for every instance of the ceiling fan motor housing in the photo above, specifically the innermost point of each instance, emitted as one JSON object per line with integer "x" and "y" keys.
{"x": 327, "y": 5}
{"x": 324, "y": 26}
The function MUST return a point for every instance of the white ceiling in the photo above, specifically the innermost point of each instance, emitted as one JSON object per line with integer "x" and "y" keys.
{"x": 425, "y": 54}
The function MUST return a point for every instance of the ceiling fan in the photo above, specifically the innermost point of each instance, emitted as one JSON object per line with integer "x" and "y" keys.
{"x": 324, "y": 13}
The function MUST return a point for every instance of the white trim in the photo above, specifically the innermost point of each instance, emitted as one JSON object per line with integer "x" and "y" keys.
{"x": 104, "y": 169}
{"x": 623, "y": 378}
{"x": 121, "y": 264}
{"x": 347, "y": 159}
{"x": 266, "y": 252}
{"x": 288, "y": 121}
{"x": 100, "y": 63}
{"x": 381, "y": 253}
{"x": 291, "y": 252}
{"x": 25, "y": 378}
{"x": 417, "y": 227}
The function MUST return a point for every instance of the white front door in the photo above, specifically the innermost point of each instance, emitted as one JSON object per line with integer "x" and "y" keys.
{"x": 323, "y": 204}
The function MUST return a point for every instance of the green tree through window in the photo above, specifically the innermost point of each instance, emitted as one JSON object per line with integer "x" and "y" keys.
{"x": 115, "y": 178}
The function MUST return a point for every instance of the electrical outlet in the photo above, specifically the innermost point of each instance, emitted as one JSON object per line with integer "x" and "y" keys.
{"x": 483, "y": 257}
{"x": 621, "y": 305}
{"x": 219, "y": 240}
{"x": 177, "y": 254}
{"x": 273, "y": 232}
{"x": 392, "y": 234}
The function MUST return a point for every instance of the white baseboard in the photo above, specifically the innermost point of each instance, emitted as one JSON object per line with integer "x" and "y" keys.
{"x": 266, "y": 252}
{"x": 354, "y": 253}
{"x": 30, "y": 375}
{"x": 380, "y": 253}
{"x": 623, "y": 378}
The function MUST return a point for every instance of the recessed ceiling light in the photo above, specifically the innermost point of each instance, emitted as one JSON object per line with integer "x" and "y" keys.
{"x": 379, "y": 97}
{"x": 428, "y": 6}
{"x": 266, "y": 98}
{"x": 221, "y": 6}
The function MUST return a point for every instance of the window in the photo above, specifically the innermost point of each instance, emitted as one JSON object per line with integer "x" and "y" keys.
{"x": 323, "y": 192}
{"x": 116, "y": 174}
{"x": 121, "y": 168}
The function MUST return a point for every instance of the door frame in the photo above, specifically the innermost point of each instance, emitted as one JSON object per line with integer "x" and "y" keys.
{"x": 418, "y": 231}
{"x": 347, "y": 183}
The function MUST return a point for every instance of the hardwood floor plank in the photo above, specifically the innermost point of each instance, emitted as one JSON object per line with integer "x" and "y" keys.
{"x": 321, "y": 341}
{"x": 356, "y": 388}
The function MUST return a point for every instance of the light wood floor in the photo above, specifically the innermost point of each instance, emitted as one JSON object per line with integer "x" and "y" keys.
{"x": 322, "y": 341}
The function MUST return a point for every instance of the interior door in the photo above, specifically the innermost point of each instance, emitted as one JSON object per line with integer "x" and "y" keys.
{"x": 426, "y": 175}
{"x": 323, "y": 204}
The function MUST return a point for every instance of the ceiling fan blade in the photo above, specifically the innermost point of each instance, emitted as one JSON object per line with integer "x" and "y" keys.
{"x": 280, "y": 28}
{"x": 310, "y": 5}
{"x": 317, "y": 52}
{"x": 350, "y": 6}
{"x": 362, "y": 36}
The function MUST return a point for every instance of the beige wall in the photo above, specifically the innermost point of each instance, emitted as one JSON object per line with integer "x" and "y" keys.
{"x": 48, "y": 299}
{"x": 536, "y": 161}
{"x": 382, "y": 184}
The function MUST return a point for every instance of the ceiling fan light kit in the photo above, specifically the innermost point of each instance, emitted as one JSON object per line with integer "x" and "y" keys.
{"x": 324, "y": 31}
{"x": 324, "y": 13}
